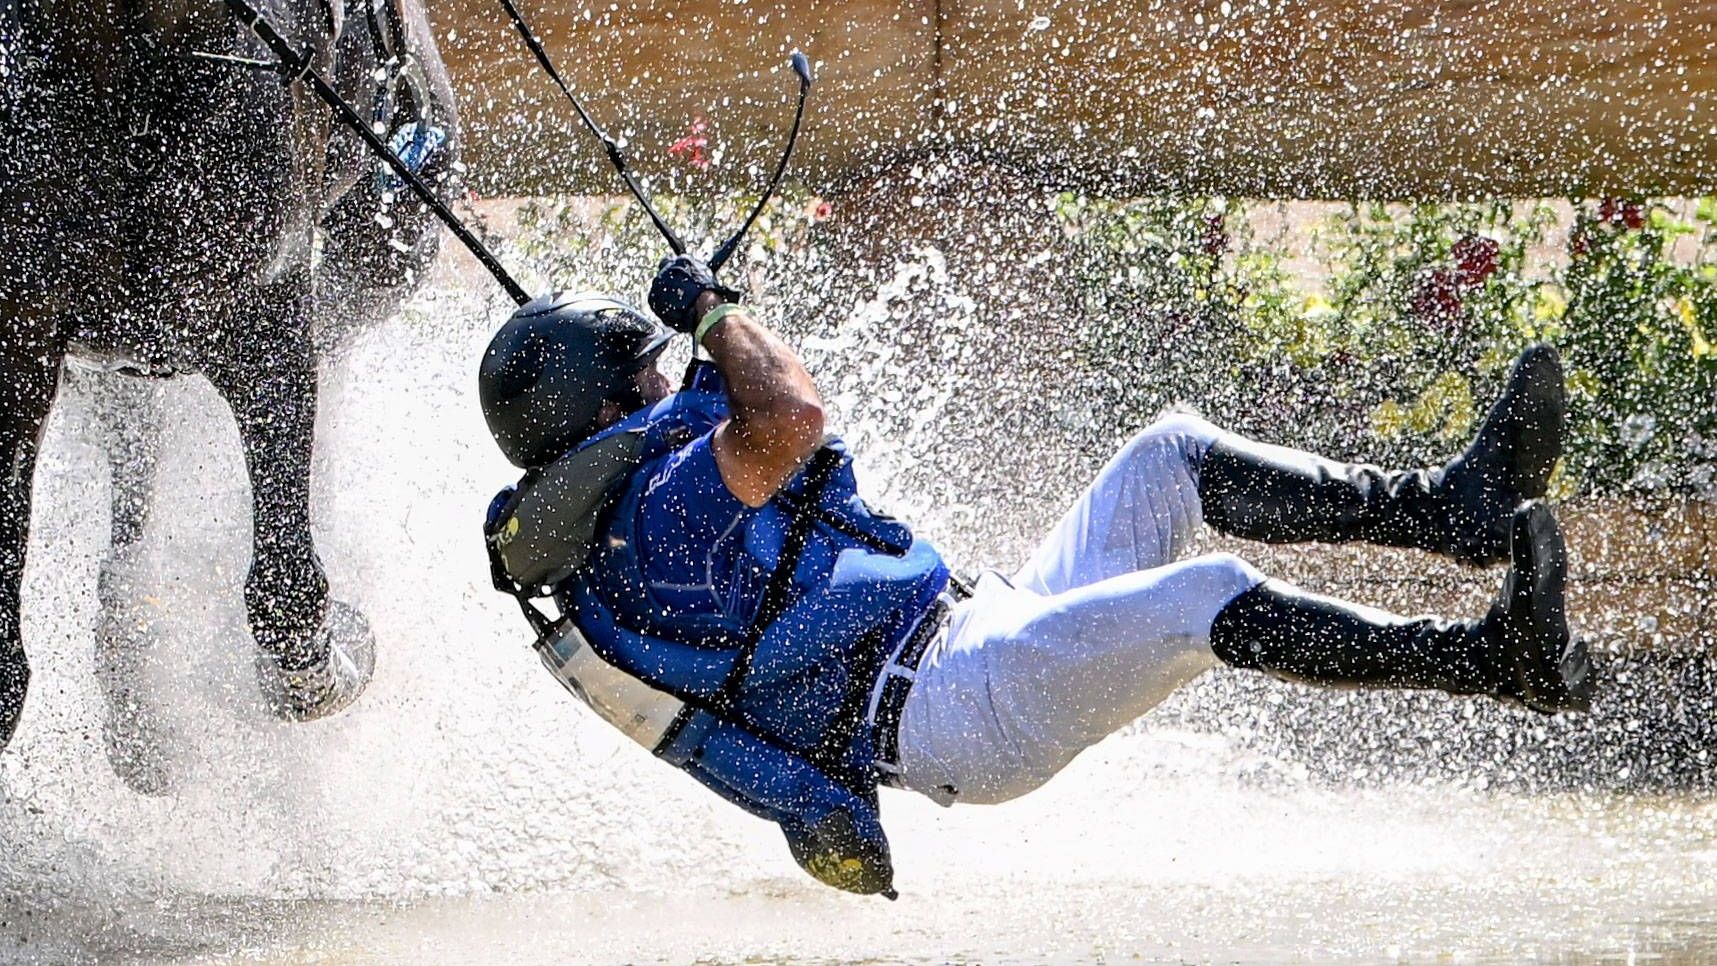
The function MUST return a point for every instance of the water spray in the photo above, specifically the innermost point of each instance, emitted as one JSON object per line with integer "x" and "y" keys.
{"x": 802, "y": 67}
{"x": 296, "y": 66}
{"x": 616, "y": 157}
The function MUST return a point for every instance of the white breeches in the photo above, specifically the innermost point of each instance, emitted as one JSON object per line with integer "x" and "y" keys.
{"x": 1100, "y": 626}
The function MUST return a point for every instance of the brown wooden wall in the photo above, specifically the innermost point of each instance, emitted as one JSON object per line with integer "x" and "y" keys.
{"x": 1639, "y": 572}
{"x": 1277, "y": 98}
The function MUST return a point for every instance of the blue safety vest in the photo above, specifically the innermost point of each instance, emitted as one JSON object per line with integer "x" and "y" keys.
{"x": 774, "y": 693}
{"x": 860, "y": 583}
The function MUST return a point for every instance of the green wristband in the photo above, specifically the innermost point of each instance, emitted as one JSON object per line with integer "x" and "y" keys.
{"x": 713, "y": 317}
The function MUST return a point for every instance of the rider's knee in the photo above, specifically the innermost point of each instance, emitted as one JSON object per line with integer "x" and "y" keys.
{"x": 1184, "y": 435}
{"x": 1222, "y": 576}
{"x": 1183, "y": 424}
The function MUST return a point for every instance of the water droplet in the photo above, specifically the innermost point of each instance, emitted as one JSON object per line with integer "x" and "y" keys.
{"x": 1039, "y": 23}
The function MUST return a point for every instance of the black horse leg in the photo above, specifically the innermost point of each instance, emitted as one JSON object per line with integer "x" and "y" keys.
{"x": 274, "y": 402}
{"x": 127, "y": 411}
{"x": 30, "y": 357}
{"x": 316, "y": 653}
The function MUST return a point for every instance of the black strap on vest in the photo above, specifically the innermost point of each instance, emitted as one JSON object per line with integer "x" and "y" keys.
{"x": 539, "y": 621}
{"x": 780, "y": 585}
{"x": 797, "y": 505}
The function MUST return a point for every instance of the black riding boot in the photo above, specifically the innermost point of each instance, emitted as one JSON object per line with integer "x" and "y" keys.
{"x": 1278, "y": 495}
{"x": 1520, "y": 651}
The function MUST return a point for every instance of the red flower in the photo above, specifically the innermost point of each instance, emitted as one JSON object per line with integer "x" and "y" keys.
{"x": 822, "y": 210}
{"x": 1622, "y": 211}
{"x": 1213, "y": 240}
{"x": 693, "y": 145}
{"x": 1475, "y": 259}
{"x": 1438, "y": 299}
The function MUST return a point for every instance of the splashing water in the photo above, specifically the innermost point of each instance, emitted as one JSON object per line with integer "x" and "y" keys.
{"x": 467, "y": 811}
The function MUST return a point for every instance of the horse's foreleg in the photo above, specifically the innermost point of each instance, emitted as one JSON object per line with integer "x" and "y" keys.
{"x": 128, "y": 410}
{"x": 29, "y": 375}
{"x": 271, "y": 387}
{"x": 316, "y": 653}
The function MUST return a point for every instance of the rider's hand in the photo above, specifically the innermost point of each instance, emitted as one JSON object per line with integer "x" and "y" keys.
{"x": 680, "y": 279}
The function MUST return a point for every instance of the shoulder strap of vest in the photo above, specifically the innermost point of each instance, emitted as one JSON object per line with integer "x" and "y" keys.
{"x": 798, "y": 505}
{"x": 803, "y": 515}
{"x": 539, "y": 621}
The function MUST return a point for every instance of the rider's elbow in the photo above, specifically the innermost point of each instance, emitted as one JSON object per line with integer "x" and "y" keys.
{"x": 798, "y": 426}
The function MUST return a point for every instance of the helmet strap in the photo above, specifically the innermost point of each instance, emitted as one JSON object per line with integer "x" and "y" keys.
{"x": 627, "y": 396}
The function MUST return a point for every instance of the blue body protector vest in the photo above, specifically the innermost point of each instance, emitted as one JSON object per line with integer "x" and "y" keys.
{"x": 768, "y": 701}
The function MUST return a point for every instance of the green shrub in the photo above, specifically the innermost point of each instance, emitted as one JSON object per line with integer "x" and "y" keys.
{"x": 1387, "y": 349}
{"x": 1418, "y": 315}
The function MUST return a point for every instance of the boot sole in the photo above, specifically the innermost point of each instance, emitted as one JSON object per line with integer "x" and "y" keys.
{"x": 1547, "y": 684}
{"x": 1537, "y": 375}
{"x": 1536, "y": 382}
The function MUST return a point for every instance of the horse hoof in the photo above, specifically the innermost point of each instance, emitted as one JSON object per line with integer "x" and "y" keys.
{"x": 131, "y": 733}
{"x": 137, "y": 755}
{"x": 330, "y": 684}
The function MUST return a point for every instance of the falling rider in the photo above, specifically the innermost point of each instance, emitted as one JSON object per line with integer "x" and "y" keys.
{"x": 729, "y": 601}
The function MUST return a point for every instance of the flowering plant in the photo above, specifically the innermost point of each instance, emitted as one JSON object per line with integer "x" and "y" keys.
{"x": 1390, "y": 342}
{"x": 1637, "y": 307}
{"x": 1379, "y": 333}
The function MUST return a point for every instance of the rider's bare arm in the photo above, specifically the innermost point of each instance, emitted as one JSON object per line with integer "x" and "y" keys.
{"x": 777, "y": 415}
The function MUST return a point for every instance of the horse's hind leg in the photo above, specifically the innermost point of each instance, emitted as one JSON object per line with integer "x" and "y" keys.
{"x": 317, "y": 653}
{"x": 30, "y": 357}
{"x": 128, "y": 411}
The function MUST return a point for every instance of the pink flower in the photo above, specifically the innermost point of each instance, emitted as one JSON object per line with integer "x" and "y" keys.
{"x": 693, "y": 145}
{"x": 1622, "y": 211}
{"x": 821, "y": 210}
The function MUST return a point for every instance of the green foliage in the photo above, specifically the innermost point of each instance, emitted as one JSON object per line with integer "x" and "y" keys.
{"x": 1638, "y": 326}
{"x": 1418, "y": 315}
{"x": 1381, "y": 332}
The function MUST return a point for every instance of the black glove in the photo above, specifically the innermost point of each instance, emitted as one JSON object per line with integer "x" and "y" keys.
{"x": 680, "y": 279}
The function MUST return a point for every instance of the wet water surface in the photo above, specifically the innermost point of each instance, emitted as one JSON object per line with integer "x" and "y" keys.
{"x": 466, "y": 811}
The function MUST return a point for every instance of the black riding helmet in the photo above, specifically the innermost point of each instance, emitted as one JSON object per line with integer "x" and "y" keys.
{"x": 549, "y": 368}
